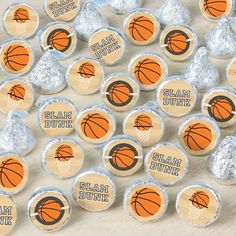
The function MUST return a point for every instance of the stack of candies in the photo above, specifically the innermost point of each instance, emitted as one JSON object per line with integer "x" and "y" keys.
{"x": 144, "y": 140}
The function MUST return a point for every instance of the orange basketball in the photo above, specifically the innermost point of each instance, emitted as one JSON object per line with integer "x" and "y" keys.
{"x": 11, "y": 173}
{"x": 64, "y": 153}
{"x": 200, "y": 200}
{"x": 141, "y": 28}
{"x": 95, "y": 126}
{"x": 146, "y": 202}
{"x": 16, "y": 57}
{"x": 147, "y": 72}
{"x": 17, "y": 92}
{"x": 143, "y": 123}
{"x": 198, "y": 137}
{"x": 21, "y": 15}
{"x": 87, "y": 70}
{"x": 215, "y": 8}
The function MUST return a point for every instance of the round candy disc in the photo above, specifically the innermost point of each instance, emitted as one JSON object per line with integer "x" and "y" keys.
{"x": 120, "y": 92}
{"x": 144, "y": 124}
{"x": 57, "y": 116}
{"x": 16, "y": 94}
{"x": 198, "y": 204}
{"x": 231, "y": 73}
{"x": 146, "y": 201}
{"x": 148, "y": 69}
{"x": 122, "y": 156}
{"x": 199, "y": 134}
{"x": 178, "y": 42}
{"x": 8, "y": 214}
{"x": 216, "y": 9}
{"x": 95, "y": 124}
{"x": 16, "y": 57}
{"x": 21, "y": 20}
{"x": 141, "y": 27}
{"x": 94, "y": 191}
{"x": 59, "y": 36}
{"x": 166, "y": 163}
{"x": 49, "y": 209}
{"x": 107, "y": 45}
{"x": 176, "y": 96}
{"x": 85, "y": 75}
{"x": 62, "y": 10}
{"x": 62, "y": 157}
{"x": 220, "y": 104}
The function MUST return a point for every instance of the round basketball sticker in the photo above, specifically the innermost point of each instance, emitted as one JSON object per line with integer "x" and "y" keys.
{"x": 49, "y": 209}
{"x": 166, "y": 163}
{"x": 199, "y": 134}
{"x": 8, "y": 214}
{"x": 16, "y": 94}
{"x": 85, "y": 75}
{"x": 219, "y": 103}
{"x": 59, "y": 36}
{"x": 141, "y": 27}
{"x": 21, "y": 20}
{"x": 107, "y": 45}
{"x": 198, "y": 204}
{"x": 144, "y": 124}
{"x": 120, "y": 92}
{"x": 62, "y": 157}
{"x": 95, "y": 124}
{"x": 231, "y": 73}
{"x": 178, "y": 42}
{"x": 148, "y": 69}
{"x": 146, "y": 201}
{"x": 16, "y": 57}
{"x": 94, "y": 190}
{"x": 215, "y": 9}
{"x": 122, "y": 156}
{"x": 62, "y": 10}
{"x": 176, "y": 96}
{"x": 57, "y": 116}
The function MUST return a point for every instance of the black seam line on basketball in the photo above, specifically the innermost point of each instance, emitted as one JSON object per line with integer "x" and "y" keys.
{"x": 226, "y": 102}
{"x": 98, "y": 125}
{"x": 58, "y": 44}
{"x": 142, "y": 21}
{"x": 142, "y": 27}
{"x": 64, "y": 152}
{"x": 15, "y": 55}
{"x": 120, "y": 85}
{"x": 90, "y": 130}
{"x": 149, "y": 192}
{"x": 95, "y": 114}
{"x": 201, "y": 127}
{"x": 122, "y": 162}
{"x": 201, "y": 193}
{"x": 188, "y": 144}
{"x": 16, "y": 63}
{"x": 177, "y": 40}
{"x": 146, "y": 78}
{"x": 210, "y": 10}
{"x": 14, "y": 48}
{"x": 6, "y": 162}
{"x": 60, "y": 149}
{"x": 136, "y": 199}
{"x": 43, "y": 212}
{"x": 113, "y": 94}
{"x": 138, "y": 33}
{"x": 99, "y": 118}
{"x": 198, "y": 203}
{"x": 149, "y": 63}
{"x": 21, "y": 19}
{"x": 17, "y": 88}
{"x": 143, "y": 126}
{"x": 202, "y": 199}
{"x": 144, "y": 208}
{"x": 10, "y": 66}
{"x": 50, "y": 208}
{"x": 88, "y": 68}
{"x": 63, "y": 157}
{"x": 209, "y": 3}
{"x": 143, "y": 67}
{"x": 126, "y": 156}
{"x": 121, "y": 92}
{"x": 82, "y": 73}
{"x": 8, "y": 180}
{"x": 176, "y": 47}
{"x": 141, "y": 191}
{"x": 14, "y": 172}
{"x": 214, "y": 107}
{"x": 174, "y": 35}
{"x": 170, "y": 46}
{"x": 223, "y": 108}
{"x": 148, "y": 200}
{"x": 48, "y": 202}
{"x": 132, "y": 31}
{"x": 13, "y": 95}
{"x": 54, "y": 40}
{"x": 42, "y": 217}
{"x": 57, "y": 33}
{"x": 194, "y": 142}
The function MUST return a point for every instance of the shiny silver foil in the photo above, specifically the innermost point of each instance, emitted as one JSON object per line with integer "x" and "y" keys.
{"x": 88, "y": 21}
{"x": 124, "y": 6}
{"x": 222, "y": 163}
{"x": 201, "y": 71}
{"x": 48, "y": 76}
{"x": 173, "y": 12}
{"x": 221, "y": 40}
{"x": 15, "y": 136}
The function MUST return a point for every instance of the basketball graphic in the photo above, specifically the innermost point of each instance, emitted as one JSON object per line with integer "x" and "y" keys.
{"x": 21, "y": 15}
{"x": 17, "y": 92}
{"x": 59, "y": 39}
{"x": 16, "y": 58}
{"x": 200, "y": 200}
{"x": 11, "y": 173}
{"x": 123, "y": 156}
{"x": 64, "y": 153}
{"x": 143, "y": 123}
{"x": 49, "y": 210}
{"x": 221, "y": 108}
{"x": 95, "y": 126}
{"x": 146, "y": 202}
{"x": 198, "y": 137}
{"x": 214, "y": 8}
{"x": 87, "y": 70}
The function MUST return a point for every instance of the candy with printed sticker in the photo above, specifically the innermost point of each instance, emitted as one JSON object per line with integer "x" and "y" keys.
{"x": 231, "y": 72}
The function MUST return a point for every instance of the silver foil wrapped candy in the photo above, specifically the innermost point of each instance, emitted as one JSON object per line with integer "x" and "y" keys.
{"x": 48, "y": 76}
{"x": 173, "y": 12}
{"x": 222, "y": 163}
{"x": 15, "y": 136}
{"x": 221, "y": 40}
{"x": 124, "y": 6}
{"x": 88, "y": 21}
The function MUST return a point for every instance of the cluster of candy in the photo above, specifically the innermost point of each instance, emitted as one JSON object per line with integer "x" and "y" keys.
{"x": 165, "y": 163}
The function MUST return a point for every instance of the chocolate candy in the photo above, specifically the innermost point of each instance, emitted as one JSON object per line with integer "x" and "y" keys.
{"x": 231, "y": 72}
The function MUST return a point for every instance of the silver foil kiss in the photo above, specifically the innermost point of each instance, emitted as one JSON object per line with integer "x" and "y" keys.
{"x": 124, "y": 6}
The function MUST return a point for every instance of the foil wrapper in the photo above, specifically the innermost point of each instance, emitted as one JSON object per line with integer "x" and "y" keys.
{"x": 173, "y": 12}
{"x": 221, "y": 41}
{"x": 222, "y": 162}
{"x": 15, "y": 136}
{"x": 88, "y": 21}
{"x": 124, "y": 6}
{"x": 48, "y": 76}
{"x": 201, "y": 71}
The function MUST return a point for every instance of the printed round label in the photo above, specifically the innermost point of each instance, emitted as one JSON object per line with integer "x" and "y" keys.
{"x": 231, "y": 73}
